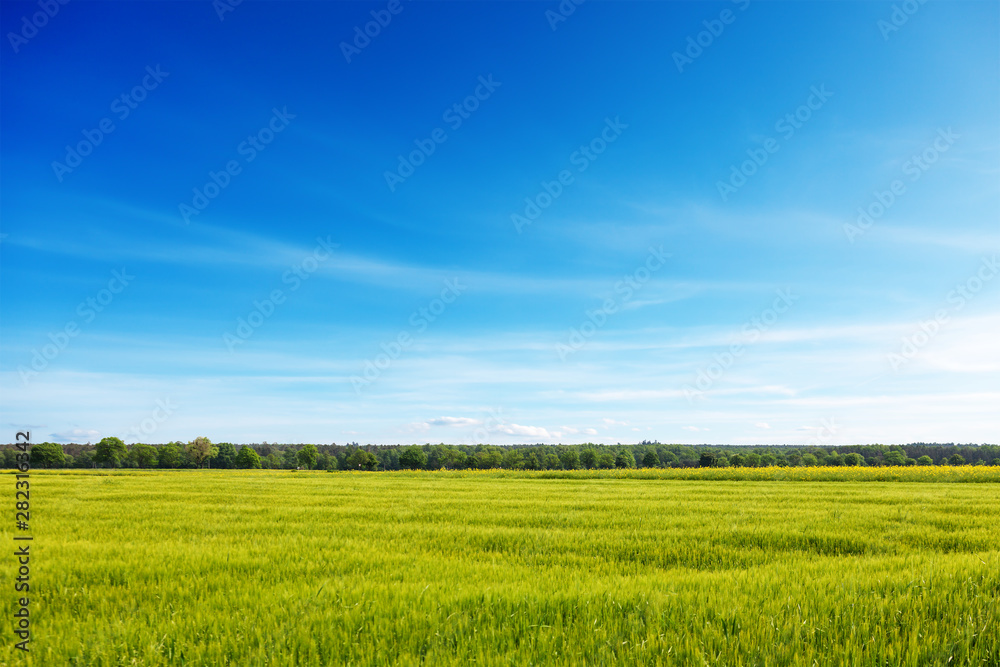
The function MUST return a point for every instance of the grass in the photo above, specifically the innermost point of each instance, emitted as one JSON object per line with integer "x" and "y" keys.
{"x": 301, "y": 568}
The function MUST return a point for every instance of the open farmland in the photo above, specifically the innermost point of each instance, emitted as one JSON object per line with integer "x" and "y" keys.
{"x": 303, "y": 568}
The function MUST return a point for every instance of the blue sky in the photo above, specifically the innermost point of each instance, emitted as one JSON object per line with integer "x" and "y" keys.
{"x": 609, "y": 242}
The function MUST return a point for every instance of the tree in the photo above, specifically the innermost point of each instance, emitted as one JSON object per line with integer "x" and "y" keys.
{"x": 569, "y": 459}
{"x": 413, "y": 457}
{"x": 359, "y": 459}
{"x": 247, "y": 457}
{"x": 925, "y": 461}
{"x": 650, "y": 459}
{"x": 588, "y": 458}
{"x": 669, "y": 458}
{"x": 200, "y": 450}
{"x": 809, "y": 460}
{"x": 957, "y": 460}
{"x": 752, "y": 460}
{"x": 307, "y": 456}
{"x": 226, "y": 457}
{"x": 894, "y": 458}
{"x": 736, "y": 460}
{"x": 84, "y": 460}
{"x": 605, "y": 460}
{"x": 706, "y": 460}
{"x": 47, "y": 455}
{"x": 624, "y": 459}
{"x": 110, "y": 451}
{"x": 513, "y": 460}
{"x": 143, "y": 456}
{"x": 853, "y": 459}
{"x": 721, "y": 461}
{"x": 169, "y": 455}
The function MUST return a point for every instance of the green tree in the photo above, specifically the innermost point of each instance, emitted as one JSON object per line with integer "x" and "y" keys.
{"x": 169, "y": 455}
{"x": 48, "y": 455}
{"x": 307, "y": 456}
{"x": 247, "y": 457}
{"x": 200, "y": 450}
{"x": 736, "y": 460}
{"x": 143, "y": 456}
{"x": 894, "y": 458}
{"x": 588, "y": 458}
{"x": 624, "y": 459}
{"x": 957, "y": 460}
{"x": 84, "y": 460}
{"x": 809, "y": 460}
{"x": 752, "y": 460}
{"x": 413, "y": 457}
{"x": 925, "y": 461}
{"x": 668, "y": 458}
{"x": 272, "y": 461}
{"x": 359, "y": 459}
{"x": 110, "y": 452}
{"x": 513, "y": 459}
{"x": 605, "y": 460}
{"x": 720, "y": 461}
{"x": 569, "y": 458}
{"x": 706, "y": 460}
{"x": 650, "y": 459}
{"x": 853, "y": 459}
{"x": 226, "y": 457}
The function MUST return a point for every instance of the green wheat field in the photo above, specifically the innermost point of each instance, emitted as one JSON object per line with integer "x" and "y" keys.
{"x": 823, "y": 567}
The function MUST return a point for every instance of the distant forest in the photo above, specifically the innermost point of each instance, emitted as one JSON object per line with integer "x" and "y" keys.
{"x": 202, "y": 453}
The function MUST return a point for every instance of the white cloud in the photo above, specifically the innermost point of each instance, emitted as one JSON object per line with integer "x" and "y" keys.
{"x": 762, "y": 425}
{"x": 79, "y": 435}
{"x": 517, "y": 429}
{"x": 453, "y": 421}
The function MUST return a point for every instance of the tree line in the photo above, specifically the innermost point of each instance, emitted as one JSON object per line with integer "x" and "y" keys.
{"x": 112, "y": 452}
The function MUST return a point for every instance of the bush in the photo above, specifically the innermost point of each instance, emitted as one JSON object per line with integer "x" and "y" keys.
{"x": 925, "y": 461}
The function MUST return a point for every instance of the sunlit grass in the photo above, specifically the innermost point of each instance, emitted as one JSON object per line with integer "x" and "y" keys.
{"x": 302, "y": 568}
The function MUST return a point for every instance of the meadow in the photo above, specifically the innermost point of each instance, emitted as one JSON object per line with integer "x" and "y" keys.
{"x": 198, "y": 567}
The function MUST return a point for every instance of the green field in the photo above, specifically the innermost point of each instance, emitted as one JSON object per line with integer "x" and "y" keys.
{"x": 302, "y": 568}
